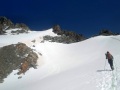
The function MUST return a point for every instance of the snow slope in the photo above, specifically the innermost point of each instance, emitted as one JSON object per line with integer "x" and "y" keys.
{"x": 77, "y": 66}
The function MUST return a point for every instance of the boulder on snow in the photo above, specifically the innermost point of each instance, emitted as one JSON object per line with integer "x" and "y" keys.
{"x": 12, "y": 57}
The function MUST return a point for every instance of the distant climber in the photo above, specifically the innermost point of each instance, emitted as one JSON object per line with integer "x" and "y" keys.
{"x": 110, "y": 59}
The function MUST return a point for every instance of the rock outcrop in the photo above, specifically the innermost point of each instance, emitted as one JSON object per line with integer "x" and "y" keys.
{"x": 6, "y": 24}
{"x": 64, "y": 36}
{"x": 57, "y": 29}
{"x": 107, "y": 32}
{"x": 16, "y": 56}
{"x": 22, "y": 25}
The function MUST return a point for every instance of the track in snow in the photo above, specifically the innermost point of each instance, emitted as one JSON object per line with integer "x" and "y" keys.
{"x": 110, "y": 79}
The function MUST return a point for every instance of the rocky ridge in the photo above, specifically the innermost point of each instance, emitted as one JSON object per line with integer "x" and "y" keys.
{"x": 107, "y": 32}
{"x": 6, "y": 24}
{"x": 64, "y": 36}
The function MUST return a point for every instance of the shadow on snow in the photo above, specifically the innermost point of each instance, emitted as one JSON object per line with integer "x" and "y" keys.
{"x": 103, "y": 70}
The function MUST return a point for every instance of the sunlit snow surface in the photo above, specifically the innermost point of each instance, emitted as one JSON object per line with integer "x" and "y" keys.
{"x": 77, "y": 66}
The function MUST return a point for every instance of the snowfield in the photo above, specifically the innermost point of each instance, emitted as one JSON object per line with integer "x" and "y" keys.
{"x": 76, "y": 66}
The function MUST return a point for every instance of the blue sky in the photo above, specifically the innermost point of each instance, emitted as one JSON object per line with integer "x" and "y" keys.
{"x": 86, "y": 17}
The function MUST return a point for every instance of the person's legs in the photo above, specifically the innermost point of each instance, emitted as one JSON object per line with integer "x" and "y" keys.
{"x": 111, "y": 64}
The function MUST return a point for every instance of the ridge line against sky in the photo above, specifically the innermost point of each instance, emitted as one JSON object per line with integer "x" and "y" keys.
{"x": 82, "y": 16}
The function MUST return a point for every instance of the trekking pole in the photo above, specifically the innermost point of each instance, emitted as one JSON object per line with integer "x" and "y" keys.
{"x": 105, "y": 65}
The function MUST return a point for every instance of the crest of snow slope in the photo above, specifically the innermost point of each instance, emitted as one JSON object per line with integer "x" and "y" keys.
{"x": 77, "y": 66}
{"x": 25, "y": 37}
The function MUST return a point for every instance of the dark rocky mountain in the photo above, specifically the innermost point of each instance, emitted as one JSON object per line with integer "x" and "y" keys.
{"x": 6, "y": 24}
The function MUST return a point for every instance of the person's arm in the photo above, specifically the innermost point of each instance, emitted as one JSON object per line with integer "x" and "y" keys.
{"x": 106, "y": 55}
